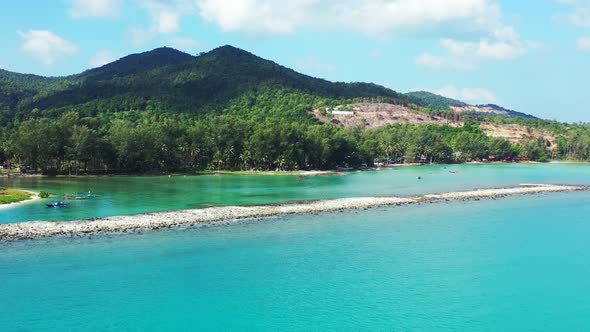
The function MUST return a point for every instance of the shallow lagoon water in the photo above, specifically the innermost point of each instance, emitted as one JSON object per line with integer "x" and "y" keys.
{"x": 513, "y": 264}
{"x": 132, "y": 195}
{"x": 510, "y": 264}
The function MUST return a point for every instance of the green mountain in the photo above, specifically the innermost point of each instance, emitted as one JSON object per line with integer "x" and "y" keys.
{"x": 437, "y": 102}
{"x": 499, "y": 110}
{"x": 433, "y": 101}
{"x": 225, "y": 79}
{"x": 168, "y": 111}
{"x": 137, "y": 63}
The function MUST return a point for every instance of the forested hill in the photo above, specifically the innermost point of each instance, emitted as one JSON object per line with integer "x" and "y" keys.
{"x": 137, "y": 63}
{"x": 168, "y": 111}
{"x": 437, "y": 102}
{"x": 433, "y": 101}
{"x": 227, "y": 78}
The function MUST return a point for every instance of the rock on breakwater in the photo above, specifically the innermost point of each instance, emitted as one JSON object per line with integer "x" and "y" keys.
{"x": 159, "y": 220}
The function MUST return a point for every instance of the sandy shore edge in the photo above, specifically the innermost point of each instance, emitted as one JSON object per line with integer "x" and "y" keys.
{"x": 159, "y": 220}
{"x": 35, "y": 197}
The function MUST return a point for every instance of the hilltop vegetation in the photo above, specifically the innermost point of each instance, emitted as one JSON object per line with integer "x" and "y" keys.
{"x": 164, "y": 111}
{"x": 433, "y": 101}
{"x": 170, "y": 81}
{"x": 440, "y": 103}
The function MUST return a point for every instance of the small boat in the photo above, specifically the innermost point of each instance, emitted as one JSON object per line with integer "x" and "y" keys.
{"x": 79, "y": 196}
{"x": 87, "y": 194}
{"x": 74, "y": 197}
{"x": 57, "y": 205}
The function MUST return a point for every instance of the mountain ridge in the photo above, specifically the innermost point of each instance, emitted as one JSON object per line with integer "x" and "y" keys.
{"x": 442, "y": 103}
{"x": 174, "y": 80}
{"x": 179, "y": 82}
{"x": 165, "y": 110}
{"x": 137, "y": 62}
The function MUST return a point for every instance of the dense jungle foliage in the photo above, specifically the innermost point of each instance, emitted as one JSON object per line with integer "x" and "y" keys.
{"x": 167, "y": 111}
{"x": 433, "y": 101}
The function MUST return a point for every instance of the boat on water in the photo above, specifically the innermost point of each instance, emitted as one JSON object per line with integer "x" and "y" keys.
{"x": 79, "y": 196}
{"x": 86, "y": 194}
{"x": 57, "y": 205}
{"x": 74, "y": 197}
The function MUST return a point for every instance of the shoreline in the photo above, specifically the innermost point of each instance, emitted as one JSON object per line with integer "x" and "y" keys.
{"x": 330, "y": 172}
{"x": 34, "y": 197}
{"x": 194, "y": 217}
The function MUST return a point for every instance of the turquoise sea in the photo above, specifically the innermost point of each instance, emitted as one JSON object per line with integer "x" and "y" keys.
{"x": 131, "y": 195}
{"x": 511, "y": 264}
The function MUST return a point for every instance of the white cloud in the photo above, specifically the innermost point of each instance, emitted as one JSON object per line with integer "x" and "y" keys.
{"x": 386, "y": 16}
{"x": 507, "y": 34}
{"x": 502, "y": 43}
{"x": 101, "y": 58}
{"x": 185, "y": 43}
{"x": 379, "y": 18}
{"x": 257, "y": 15}
{"x": 583, "y": 44}
{"x": 579, "y": 14}
{"x": 168, "y": 22}
{"x": 479, "y": 19}
{"x": 581, "y": 17}
{"x": 94, "y": 8}
{"x": 500, "y": 50}
{"x": 166, "y": 16}
{"x": 457, "y": 47}
{"x": 46, "y": 46}
{"x": 469, "y": 95}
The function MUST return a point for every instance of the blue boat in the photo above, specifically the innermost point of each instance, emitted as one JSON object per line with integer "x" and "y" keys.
{"x": 57, "y": 205}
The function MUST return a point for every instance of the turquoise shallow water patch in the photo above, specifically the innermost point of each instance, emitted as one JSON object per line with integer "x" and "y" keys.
{"x": 132, "y": 195}
{"x": 512, "y": 264}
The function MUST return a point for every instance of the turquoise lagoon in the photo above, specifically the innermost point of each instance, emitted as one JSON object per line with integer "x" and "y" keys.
{"x": 132, "y": 195}
{"x": 511, "y": 264}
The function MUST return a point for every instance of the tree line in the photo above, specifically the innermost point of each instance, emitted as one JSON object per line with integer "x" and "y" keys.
{"x": 166, "y": 111}
{"x": 145, "y": 142}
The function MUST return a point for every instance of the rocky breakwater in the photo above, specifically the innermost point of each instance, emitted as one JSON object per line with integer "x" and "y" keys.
{"x": 183, "y": 218}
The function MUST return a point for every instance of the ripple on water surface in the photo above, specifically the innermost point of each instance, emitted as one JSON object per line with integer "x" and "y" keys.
{"x": 513, "y": 264}
{"x": 132, "y": 195}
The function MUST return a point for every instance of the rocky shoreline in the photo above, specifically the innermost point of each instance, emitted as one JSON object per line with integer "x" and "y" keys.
{"x": 184, "y": 218}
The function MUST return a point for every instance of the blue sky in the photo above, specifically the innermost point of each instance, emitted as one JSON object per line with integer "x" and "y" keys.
{"x": 530, "y": 56}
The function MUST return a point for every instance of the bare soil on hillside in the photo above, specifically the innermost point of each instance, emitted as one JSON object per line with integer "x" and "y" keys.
{"x": 380, "y": 115}
{"x": 516, "y": 133}
{"x": 377, "y": 115}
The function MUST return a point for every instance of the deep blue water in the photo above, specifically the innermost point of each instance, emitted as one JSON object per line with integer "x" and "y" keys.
{"x": 513, "y": 264}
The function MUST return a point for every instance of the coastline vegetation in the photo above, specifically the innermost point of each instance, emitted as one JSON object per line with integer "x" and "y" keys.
{"x": 147, "y": 142}
{"x": 8, "y": 196}
{"x": 165, "y": 111}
